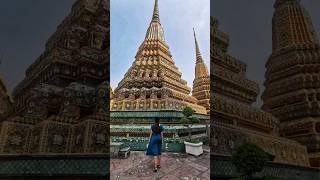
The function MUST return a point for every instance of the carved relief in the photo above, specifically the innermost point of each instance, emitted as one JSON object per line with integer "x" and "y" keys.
{"x": 65, "y": 86}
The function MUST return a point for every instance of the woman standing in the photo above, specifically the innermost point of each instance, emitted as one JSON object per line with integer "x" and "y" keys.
{"x": 155, "y": 143}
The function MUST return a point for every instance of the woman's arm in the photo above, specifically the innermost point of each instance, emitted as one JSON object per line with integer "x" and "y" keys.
{"x": 150, "y": 135}
{"x": 148, "y": 144}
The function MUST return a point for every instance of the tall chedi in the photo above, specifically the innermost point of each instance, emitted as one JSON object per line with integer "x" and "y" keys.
{"x": 153, "y": 82}
{"x": 292, "y": 82}
{"x": 201, "y": 82}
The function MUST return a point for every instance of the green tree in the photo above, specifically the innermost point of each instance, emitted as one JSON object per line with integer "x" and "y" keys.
{"x": 187, "y": 112}
{"x": 249, "y": 159}
{"x": 188, "y": 120}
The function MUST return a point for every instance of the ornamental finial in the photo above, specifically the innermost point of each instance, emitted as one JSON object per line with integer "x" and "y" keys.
{"x": 156, "y": 17}
{"x": 198, "y": 54}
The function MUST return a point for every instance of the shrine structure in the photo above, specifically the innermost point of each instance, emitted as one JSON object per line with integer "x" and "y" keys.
{"x": 62, "y": 104}
{"x": 201, "y": 82}
{"x": 234, "y": 120}
{"x": 293, "y": 76}
{"x": 152, "y": 87}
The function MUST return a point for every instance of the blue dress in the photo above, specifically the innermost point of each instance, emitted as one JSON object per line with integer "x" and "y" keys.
{"x": 155, "y": 144}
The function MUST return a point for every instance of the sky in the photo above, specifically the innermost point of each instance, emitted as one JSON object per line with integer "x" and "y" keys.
{"x": 248, "y": 23}
{"x": 130, "y": 20}
{"x": 25, "y": 28}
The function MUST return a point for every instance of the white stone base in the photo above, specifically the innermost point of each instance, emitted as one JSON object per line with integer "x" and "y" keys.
{"x": 194, "y": 148}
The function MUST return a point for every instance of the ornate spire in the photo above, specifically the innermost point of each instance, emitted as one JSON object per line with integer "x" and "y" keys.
{"x": 201, "y": 68}
{"x": 201, "y": 82}
{"x": 292, "y": 26}
{"x": 279, "y": 2}
{"x": 198, "y": 54}
{"x": 155, "y": 30}
{"x": 156, "y": 17}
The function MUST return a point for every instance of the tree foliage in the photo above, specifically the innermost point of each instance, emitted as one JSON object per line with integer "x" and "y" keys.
{"x": 187, "y": 112}
{"x": 187, "y": 119}
{"x": 249, "y": 159}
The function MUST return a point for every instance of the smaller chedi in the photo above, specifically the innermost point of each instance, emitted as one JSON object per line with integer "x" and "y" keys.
{"x": 201, "y": 82}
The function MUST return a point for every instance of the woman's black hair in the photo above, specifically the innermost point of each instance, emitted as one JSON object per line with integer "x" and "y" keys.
{"x": 156, "y": 127}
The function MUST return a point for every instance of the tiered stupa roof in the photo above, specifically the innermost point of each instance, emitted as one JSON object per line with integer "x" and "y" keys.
{"x": 201, "y": 82}
{"x": 292, "y": 77}
{"x": 236, "y": 121}
{"x": 153, "y": 82}
{"x": 62, "y": 104}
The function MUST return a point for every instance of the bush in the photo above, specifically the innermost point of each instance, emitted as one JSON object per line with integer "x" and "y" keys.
{"x": 249, "y": 159}
{"x": 184, "y": 120}
{"x": 187, "y": 112}
{"x": 187, "y": 119}
{"x": 195, "y": 141}
{"x": 194, "y": 120}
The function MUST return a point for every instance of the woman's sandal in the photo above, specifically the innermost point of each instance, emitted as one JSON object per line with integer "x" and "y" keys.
{"x": 155, "y": 169}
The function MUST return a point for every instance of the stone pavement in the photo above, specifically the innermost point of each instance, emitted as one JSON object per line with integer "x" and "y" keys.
{"x": 174, "y": 166}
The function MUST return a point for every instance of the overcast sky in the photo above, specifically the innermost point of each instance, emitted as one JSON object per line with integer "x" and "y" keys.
{"x": 130, "y": 20}
{"x": 248, "y": 22}
{"x": 25, "y": 27}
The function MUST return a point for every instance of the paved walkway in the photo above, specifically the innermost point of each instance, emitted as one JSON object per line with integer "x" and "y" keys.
{"x": 174, "y": 166}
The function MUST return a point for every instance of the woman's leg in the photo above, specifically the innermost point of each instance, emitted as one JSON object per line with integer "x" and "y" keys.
{"x": 155, "y": 169}
{"x": 155, "y": 161}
